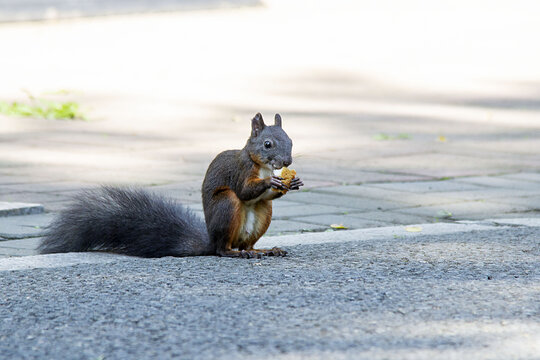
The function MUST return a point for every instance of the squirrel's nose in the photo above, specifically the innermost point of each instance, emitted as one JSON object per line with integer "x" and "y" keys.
{"x": 287, "y": 162}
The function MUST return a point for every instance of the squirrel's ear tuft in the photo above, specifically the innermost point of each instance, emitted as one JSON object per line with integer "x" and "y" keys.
{"x": 257, "y": 125}
{"x": 277, "y": 120}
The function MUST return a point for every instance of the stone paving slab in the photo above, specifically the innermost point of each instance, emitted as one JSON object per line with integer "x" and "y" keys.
{"x": 342, "y": 174}
{"x": 11, "y": 251}
{"x": 444, "y": 165}
{"x": 339, "y": 200}
{"x": 525, "y": 176}
{"x": 38, "y": 197}
{"x": 18, "y": 227}
{"x": 394, "y": 217}
{"x": 487, "y": 193}
{"x": 499, "y": 182}
{"x": 278, "y": 227}
{"x": 43, "y": 187}
{"x": 531, "y": 202}
{"x": 429, "y": 186}
{"x": 19, "y": 208}
{"x": 29, "y": 243}
{"x": 372, "y": 191}
{"x": 284, "y": 203}
{"x": 292, "y": 212}
{"x": 6, "y": 179}
{"x": 348, "y": 221}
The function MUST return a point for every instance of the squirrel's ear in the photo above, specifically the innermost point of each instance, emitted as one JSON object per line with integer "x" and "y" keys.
{"x": 257, "y": 125}
{"x": 277, "y": 120}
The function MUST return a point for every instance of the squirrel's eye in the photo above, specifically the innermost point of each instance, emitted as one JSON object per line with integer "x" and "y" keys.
{"x": 267, "y": 144}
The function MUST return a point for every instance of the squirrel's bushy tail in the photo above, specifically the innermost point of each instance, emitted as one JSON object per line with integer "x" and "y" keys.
{"x": 127, "y": 221}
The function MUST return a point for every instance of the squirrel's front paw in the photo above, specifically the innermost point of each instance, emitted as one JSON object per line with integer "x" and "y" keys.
{"x": 296, "y": 183}
{"x": 277, "y": 183}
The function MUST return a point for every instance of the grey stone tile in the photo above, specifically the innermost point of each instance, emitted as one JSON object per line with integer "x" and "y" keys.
{"x": 17, "y": 208}
{"x": 428, "y": 186}
{"x": 362, "y": 191}
{"x": 188, "y": 192}
{"x": 343, "y": 201}
{"x": 184, "y": 197}
{"x": 445, "y": 164}
{"x": 311, "y": 183}
{"x": 336, "y": 174}
{"x": 524, "y": 176}
{"x": 16, "y": 252}
{"x": 349, "y": 221}
{"x": 56, "y": 206}
{"x": 189, "y": 184}
{"x": 18, "y": 227}
{"x": 404, "y": 197}
{"x": 294, "y": 212}
{"x": 56, "y": 187}
{"x": 278, "y": 227}
{"x": 393, "y": 217}
{"x": 16, "y": 179}
{"x": 39, "y": 198}
{"x": 487, "y": 193}
{"x": 530, "y": 202}
{"x": 469, "y": 210}
{"x": 30, "y": 244}
{"x": 283, "y": 203}
{"x": 340, "y": 175}
{"x": 500, "y": 182}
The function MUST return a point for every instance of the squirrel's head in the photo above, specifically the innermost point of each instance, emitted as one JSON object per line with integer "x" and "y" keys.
{"x": 269, "y": 145}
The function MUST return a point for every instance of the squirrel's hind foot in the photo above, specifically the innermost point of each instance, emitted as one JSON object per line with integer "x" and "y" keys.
{"x": 275, "y": 251}
{"x": 253, "y": 253}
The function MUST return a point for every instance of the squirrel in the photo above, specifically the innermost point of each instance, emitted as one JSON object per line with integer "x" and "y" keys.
{"x": 237, "y": 202}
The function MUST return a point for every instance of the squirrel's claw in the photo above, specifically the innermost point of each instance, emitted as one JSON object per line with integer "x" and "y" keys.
{"x": 275, "y": 251}
{"x": 296, "y": 183}
{"x": 278, "y": 252}
{"x": 276, "y": 183}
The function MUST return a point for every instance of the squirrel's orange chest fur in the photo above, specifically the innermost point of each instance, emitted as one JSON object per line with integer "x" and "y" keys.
{"x": 255, "y": 215}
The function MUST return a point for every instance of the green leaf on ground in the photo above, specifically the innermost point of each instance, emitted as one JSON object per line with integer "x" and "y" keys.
{"x": 68, "y": 110}
{"x": 385, "y": 137}
{"x": 381, "y": 137}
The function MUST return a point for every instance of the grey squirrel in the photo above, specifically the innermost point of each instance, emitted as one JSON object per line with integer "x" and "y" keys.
{"x": 237, "y": 201}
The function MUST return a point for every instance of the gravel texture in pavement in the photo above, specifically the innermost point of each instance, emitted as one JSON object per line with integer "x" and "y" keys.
{"x": 465, "y": 295}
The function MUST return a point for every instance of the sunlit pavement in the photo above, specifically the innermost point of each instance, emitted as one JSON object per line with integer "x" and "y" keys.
{"x": 400, "y": 113}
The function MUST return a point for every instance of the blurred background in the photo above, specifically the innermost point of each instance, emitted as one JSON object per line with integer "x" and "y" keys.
{"x": 368, "y": 90}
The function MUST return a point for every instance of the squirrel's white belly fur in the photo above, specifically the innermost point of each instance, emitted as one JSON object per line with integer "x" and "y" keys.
{"x": 251, "y": 221}
{"x": 249, "y": 224}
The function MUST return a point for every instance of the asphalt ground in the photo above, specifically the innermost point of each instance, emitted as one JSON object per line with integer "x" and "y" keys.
{"x": 467, "y": 295}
